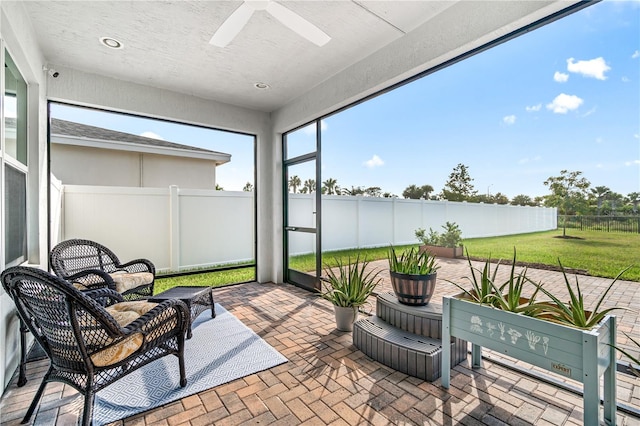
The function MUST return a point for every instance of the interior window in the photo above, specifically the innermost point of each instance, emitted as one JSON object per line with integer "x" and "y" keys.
{"x": 15, "y": 162}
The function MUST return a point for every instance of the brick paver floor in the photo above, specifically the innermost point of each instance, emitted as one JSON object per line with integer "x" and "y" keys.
{"x": 328, "y": 381}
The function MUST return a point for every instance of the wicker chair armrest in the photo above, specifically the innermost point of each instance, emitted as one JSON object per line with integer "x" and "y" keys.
{"x": 92, "y": 278}
{"x": 105, "y": 296}
{"x": 159, "y": 316}
{"x": 138, "y": 265}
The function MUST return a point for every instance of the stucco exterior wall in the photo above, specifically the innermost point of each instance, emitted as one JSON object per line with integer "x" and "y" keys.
{"x": 93, "y": 166}
{"x": 161, "y": 171}
{"x": 76, "y": 165}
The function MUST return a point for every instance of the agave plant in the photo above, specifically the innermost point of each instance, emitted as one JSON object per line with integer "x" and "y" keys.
{"x": 634, "y": 360}
{"x": 412, "y": 262}
{"x": 573, "y": 313}
{"x": 482, "y": 284}
{"x": 508, "y": 296}
{"x": 349, "y": 284}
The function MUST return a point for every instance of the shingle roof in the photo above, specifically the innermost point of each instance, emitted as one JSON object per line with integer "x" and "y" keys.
{"x": 69, "y": 128}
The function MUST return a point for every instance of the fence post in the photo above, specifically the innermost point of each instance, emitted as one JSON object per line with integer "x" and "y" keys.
{"x": 174, "y": 228}
{"x": 358, "y": 222}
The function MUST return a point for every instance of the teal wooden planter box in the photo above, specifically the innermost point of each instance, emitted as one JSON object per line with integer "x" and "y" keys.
{"x": 583, "y": 355}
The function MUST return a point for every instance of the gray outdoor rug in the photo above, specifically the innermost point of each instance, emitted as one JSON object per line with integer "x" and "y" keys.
{"x": 222, "y": 349}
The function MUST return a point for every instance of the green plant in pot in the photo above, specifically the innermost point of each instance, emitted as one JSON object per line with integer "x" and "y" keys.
{"x": 481, "y": 281}
{"x": 508, "y": 296}
{"x": 348, "y": 286}
{"x": 444, "y": 244}
{"x": 555, "y": 334}
{"x": 413, "y": 275}
{"x": 573, "y": 313}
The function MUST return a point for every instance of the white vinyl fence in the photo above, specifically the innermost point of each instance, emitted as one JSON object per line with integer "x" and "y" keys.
{"x": 187, "y": 228}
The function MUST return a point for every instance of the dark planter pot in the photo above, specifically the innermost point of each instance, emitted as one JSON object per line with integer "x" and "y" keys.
{"x": 439, "y": 251}
{"x": 414, "y": 290}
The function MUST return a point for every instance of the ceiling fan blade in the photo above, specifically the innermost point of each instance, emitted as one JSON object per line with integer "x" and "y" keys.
{"x": 298, "y": 24}
{"x": 232, "y": 26}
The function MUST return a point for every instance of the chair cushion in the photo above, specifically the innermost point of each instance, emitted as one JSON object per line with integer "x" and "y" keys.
{"x": 80, "y": 286}
{"x": 124, "y": 313}
{"x": 125, "y": 281}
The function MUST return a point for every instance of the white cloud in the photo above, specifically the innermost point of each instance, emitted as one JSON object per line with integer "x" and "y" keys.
{"x": 594, "y": 68}
{"x": 632, "y": 163}
{"x": 599, "y": 140}
{"x": 533, "y": 108}
{"x": 564, "y": 103}
{"x": 588, "y": 113}
{"x": 636, "y": 135}
{"x": 625, "y": 79}
{"x": 636, "y": 54}
{"x": 311, "y": 128}
{"x": 375, "y": 161}
{"x": 151, "y": 135}
{"x": 560, "y": 77}
{"x": 509, "y": 119}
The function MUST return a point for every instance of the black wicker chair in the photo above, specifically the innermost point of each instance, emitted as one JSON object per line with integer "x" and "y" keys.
{"x": 93, "y": 338}
{"x": 70, "y": 259}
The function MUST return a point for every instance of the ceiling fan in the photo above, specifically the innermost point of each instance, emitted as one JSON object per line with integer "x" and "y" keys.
{"x": 239, "y": 18}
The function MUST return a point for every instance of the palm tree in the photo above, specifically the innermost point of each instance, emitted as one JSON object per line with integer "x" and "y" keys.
{"x": 309, "y": 186}
{"x": 248, "y": 187}
{"x": 634, "y": 197}
{"x": 294, "y": 183}
{"x": 357, "y": 190}
{"x": 599, "y": 192}
{"x": 329, "y": 186}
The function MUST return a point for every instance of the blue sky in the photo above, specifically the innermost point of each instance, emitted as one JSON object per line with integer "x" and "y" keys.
{"x": 565, "y": 96}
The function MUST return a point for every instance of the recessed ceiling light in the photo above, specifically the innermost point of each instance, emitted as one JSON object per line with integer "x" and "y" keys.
{"x": 261, "y": 86}
{"x": 111, "y": 43}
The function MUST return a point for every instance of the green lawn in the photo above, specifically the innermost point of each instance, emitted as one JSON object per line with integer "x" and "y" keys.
{"x": 602, "y": 254}
{"x": 214, "y": 279}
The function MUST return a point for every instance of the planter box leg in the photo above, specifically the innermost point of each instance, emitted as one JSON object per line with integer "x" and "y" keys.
{"x": 476, "y": 356}
{"x": 590, "y": 380}
{"x": 610, "y": 379}
{"x": 446, "y": 348}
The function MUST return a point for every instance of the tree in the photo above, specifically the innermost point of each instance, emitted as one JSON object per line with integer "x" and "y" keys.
{"x": 414, "y": 192}
{"x": 615, "y": 201}
{"x": 248, "y": 187}
{"x": 219, "y": 188}
{"x": 459, "y": 186}
{"x": 358, "y": 190}
{"x": 522, "y": 200}
{"x": 294, "y": 183}
{"x": 634, "y": 199}
{"x": 599, "y": 192}
{"x": 389, "y": 195}
{"x": 309, "y": 186}
{"x": 329, "y": 186}
{"x": 568, "y": 194}
{"x": 500, "y": 198}
{"x": 373, "y": 191}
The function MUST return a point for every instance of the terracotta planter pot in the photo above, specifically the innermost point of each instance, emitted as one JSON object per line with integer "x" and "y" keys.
{"x": 448, "y": 252}
{"x": 414, "y": 290}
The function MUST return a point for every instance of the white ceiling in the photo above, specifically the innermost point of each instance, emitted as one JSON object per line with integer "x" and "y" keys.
{"x": 166, "y": 43}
